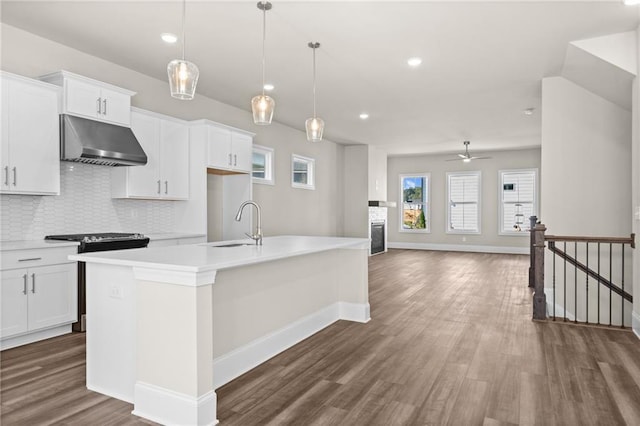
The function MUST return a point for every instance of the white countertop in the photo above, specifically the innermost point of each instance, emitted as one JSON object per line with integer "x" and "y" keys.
{"x": 34, "y": 244}
{"x": 209, "y": 256}
{"x": 172, "y": 236}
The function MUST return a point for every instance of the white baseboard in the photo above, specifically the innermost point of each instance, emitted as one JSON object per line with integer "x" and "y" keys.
{"x": 357, "y": 312}
{"x": 167, "y": 407}
{"x": 460, "y": 247}
{"x": 237, "y": 362}
{"x": 24, "y": 339}
{"x": 635, "y": 323}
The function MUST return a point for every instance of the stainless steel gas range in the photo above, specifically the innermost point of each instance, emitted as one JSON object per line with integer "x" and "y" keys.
{"x": 93, "y": 243}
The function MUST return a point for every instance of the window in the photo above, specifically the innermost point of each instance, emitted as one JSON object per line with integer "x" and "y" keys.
{"x": 302, "y": 172}
{"x": 262, "y": 161}
{"x": 518, "y": 200}
{"x": 414, "y": 202}
{"x": 463, "y": 192}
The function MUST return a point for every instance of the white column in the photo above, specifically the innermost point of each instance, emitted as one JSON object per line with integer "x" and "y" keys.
{"x": 174, "y": 347}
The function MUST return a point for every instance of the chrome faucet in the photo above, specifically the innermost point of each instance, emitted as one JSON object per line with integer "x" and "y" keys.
{"x": 257, "y": 237}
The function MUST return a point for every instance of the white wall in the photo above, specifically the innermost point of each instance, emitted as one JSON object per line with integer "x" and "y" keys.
{"x": 285, "y": 210}
{"x": 437, "y": 166}
{"x": 586, "y": 190}
{"x": 356, "y": 201}
{"x": 586, "y": 158}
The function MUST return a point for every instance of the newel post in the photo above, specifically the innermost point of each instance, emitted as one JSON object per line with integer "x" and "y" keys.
{"x": 532, "y": 254}
{"x": 539, "y": 298}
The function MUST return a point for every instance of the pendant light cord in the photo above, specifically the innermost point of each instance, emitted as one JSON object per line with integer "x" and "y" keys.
{"x": 184, "y": 12}
{"x": 314, "y": 81}
{"x": 264, "y": 36}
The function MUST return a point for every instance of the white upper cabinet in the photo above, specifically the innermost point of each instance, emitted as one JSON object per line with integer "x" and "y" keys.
{"x": 93, "y": 99}
{"x": 165, "y": 140}
{"x": 228, "y": 149}
{"x": 30, "y": 154}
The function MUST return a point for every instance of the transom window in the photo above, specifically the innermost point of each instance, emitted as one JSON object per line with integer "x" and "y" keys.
{"x": 262, "y": 161}
{"x": 518, "y": 200}
{"x": 302, "y": 172}
{"x": 414, "y": 202}
{"x": 463, "y": 193}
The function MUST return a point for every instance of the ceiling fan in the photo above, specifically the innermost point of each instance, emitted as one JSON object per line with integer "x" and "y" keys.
{"x": 466, "y": 157}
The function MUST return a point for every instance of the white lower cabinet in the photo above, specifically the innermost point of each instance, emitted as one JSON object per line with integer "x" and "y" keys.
{"x": 37, "y": 298}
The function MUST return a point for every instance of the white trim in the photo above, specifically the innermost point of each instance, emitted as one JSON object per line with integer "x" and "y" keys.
{"x": 356, "y": 312}
{"x": 34, "y": 336}
{"x": 191, "y": 279}
{"x": 237, "y": 362}
{"x": 448, "y": 229}
{"x": 311, "y": 172}
{"x": 167, "y": 407}
{"x": 460, "y": 247}
{"x": 635, "y": 323}
{"x": 501, "y": 174}
{"x": 427, "y": 201}
{"x": 269, "y": 165}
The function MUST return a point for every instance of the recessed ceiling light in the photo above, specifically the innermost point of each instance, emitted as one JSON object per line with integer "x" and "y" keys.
{"x": 631, "y": 2}
{"x": 528, "y": 111}
{"x": 414, "y": 62}
{"x": 364, "y": 116}
{"x": 169, "y": 38}
{"x": 268, "y": 87}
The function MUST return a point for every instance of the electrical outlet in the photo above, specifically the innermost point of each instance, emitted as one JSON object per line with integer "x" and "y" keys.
{"x": 116, "y": 292}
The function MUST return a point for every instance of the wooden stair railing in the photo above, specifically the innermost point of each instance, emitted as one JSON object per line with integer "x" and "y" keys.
{"x": 536, "y": 272}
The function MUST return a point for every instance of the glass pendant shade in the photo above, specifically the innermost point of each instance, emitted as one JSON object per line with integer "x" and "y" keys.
{"x": 183, "y": 77}
{"x": 315, "y": 127}
{"x": 262, "y": 107}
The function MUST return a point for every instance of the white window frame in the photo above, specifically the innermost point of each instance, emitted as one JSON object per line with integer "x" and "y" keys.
{"x": 501, "y": 174}
{"x": 269, "y": 178}
{"x": 449, "y": 230}
{"x": 426, "y": 205}
{"x": 311, "y": 172}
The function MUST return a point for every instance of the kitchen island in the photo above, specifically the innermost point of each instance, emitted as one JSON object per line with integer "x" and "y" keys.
{"x": 167, "y": 326}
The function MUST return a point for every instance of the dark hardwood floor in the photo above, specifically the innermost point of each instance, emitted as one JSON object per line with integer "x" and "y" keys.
{"x": 451, "y": 341}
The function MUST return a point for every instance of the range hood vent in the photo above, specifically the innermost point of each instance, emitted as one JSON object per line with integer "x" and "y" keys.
{"x": 94, "y": 142}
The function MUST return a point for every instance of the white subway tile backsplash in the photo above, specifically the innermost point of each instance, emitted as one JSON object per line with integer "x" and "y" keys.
{"x": 84, "y": 205}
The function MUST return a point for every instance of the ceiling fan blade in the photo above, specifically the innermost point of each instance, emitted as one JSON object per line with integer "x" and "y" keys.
{"x": 480, "y": 158}
{"x": 455, "y": 159}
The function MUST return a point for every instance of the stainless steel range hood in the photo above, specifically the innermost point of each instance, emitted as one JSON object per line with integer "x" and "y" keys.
{"x": 94, "y": 142}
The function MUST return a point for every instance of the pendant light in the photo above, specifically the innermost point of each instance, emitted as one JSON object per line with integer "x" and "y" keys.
{"x": 262, "y": 105}
{"x": 315, "y": 125}
{"x": 183, "y": 75}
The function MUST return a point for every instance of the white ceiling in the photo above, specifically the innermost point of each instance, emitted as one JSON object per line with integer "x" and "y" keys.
{"x": 482, "y": 61}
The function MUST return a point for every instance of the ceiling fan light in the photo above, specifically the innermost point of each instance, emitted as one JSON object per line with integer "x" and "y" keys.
{"x": 183, "y": 78}
{"x": 467, "y": 160}
{"x": 315, "y": 127}
{"x": 262, "y": 107}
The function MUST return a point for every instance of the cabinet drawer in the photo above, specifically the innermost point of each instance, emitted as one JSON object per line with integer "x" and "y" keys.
{"x": 28, "y": 258}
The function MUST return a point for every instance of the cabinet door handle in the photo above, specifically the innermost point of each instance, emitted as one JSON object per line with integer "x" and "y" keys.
{"x": 6, "y": 175}
{"x": 104, "y": 107}
{"x": 33, "y": 283}
{"x": 159, "y": 187}
{"x": 15, "y": 176}
{"x": 24, "y": 288}
{"x": 235, "y": 160}
{"x": 99, "y": 107}
{"x": 29, "y": 259}
{"x": 229, "y": 159}
{"x": 166, "y": 186}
